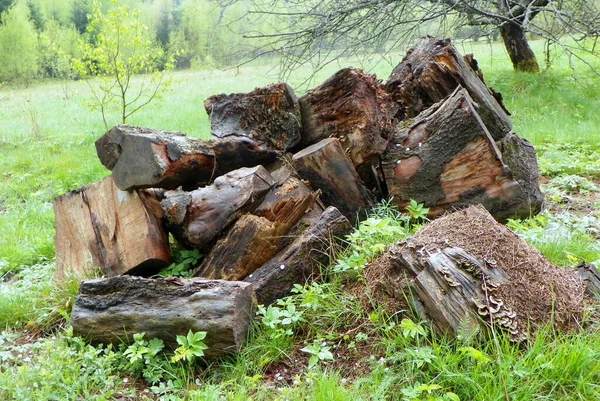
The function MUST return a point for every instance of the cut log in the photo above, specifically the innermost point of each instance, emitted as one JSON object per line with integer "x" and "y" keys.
{"x": 591, "y": 279}
{"x": 447, "y": 159}
{"x": 353, "y": 107}
{"x": 465, "y": 269}
{"x": 301, "y": 258}
{"x": 113, "y": 310}
{"x": 326, "y": 167}
{"x": 144, "y": 158}
{"x": 431, "y": 71}
{"x": 100, "y": 226}
{"x": 197, "y": 218}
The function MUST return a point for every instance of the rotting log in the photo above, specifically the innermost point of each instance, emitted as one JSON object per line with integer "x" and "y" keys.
{"x": 591, "y": 279}
{"x": 446, "y": 159}
{"x": 326, "y": 167}
{"x": 353, "y": 107}
{"x": 197, "y": 218}
{"x": 100, "y": 226}
{"x": 145, "y": 158}
{"x": 113, "y": 310}
{"x": 301, "y": 259}
{"x": 431, "y": 71}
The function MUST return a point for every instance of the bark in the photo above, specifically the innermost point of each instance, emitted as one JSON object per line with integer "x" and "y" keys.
{"x": 326, "y": 167}
{"x": 197, "y": 218}
{"x": 431, "y": 71}
{"x": 447, "y": 159}
{"x": 100, "y": 226}
{"x": 522, "y": 57}
{"x": 144, "y": 158}
{"x": 591, "y": 279}
{"x": 301, "y": 259}
{"x": 112, "y": 310}
{"x": 353, "y": 107}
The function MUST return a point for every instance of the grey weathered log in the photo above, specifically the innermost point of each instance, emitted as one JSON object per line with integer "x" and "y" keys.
{"x": 446, "y": 158}
{"x": 144, "y": 158}
{"x": 431, "y": 71}
{"x": 301, "y": 259}
{"x": 100, "y": 226}
{"x": 197, "y": 218}
{"x": 591, "y": 278}
{"x": 353, "y": 107}
{"x": 113, "y": 310}
{"x": 326, "y": 167}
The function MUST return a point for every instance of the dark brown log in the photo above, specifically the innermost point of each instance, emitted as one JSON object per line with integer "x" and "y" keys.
{"x": 113, "y": 310}
{"x": 144, "y": 158}
{"x": 353, "y": 107}
{"x": 431, "y": 71}
{"x": 301, "y": 258}
{"x": 447, "y": 159}
{"x": 197, "y": 218}
{"x": 100, "y": 226}
{"x": 326, "y": 167}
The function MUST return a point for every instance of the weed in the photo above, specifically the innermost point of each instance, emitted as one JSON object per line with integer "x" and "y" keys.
{"x": 184, "y": 265}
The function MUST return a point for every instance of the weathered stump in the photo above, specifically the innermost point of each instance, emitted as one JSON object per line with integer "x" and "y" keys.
{"x": 113, "y": 310}
{"x": 100, "y": 226}
{"x": 353, "y": 107}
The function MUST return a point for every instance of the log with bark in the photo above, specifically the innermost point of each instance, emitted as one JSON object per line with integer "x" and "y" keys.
{"x": 100, "y": 226}
{"x": 431, "y": 71}
{"x": 301, "y": 259}
{"x": 353, "y": 107}
{"x": 197, "y": 218}
{"x": 113, "y": 310}
{"x": 145, "y": 158}
{"x": 446, "y": 158}
{"x": 326, "y": 167}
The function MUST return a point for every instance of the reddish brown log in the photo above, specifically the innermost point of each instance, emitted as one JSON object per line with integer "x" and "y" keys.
{"x": 197, "y": 218}
{"x": 431, "y": 71}
{"x": 353, "y": 107}
{"x": 301, "y": 258}
{"x": 100, "y": 226}
{"x": 144, "y": 158}
{"x": 326, "y": 166}
{"x": 446, "y": 159}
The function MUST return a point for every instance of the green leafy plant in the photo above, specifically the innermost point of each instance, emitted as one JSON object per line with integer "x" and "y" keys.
{"x": 426, "y": 392}
{"x": 572, "y": 184}
{"x": 417, "y": 211}
{"x": 183, "y": 267}
{"x": 190, "y": 346}
{"x": 318, "y": 351}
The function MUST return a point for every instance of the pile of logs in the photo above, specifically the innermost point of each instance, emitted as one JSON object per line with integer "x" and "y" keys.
{"x": 280, "y": 181}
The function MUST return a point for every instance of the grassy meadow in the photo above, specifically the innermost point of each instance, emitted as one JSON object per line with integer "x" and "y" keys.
{"x": 47, "y": 139}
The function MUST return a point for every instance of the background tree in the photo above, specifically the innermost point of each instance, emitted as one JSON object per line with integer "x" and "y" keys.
{"x": 18, "y": 46}
{"x": 324, "y": 30}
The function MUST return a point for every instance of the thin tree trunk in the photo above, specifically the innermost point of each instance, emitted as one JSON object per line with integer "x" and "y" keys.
{"x": 521, "y": 55}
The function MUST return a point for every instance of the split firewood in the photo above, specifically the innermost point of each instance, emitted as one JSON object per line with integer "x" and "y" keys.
{"x": 113, "y": 310}
{"x": 301, "y": 259}
{"x": 446, "y": 159}
{"x": 100, "y": 226}
{"x": 353, "y": 107}
{"x": 325, "y": 166}
{"x": 197, "y": 218}
{"x": 431, "y": 71}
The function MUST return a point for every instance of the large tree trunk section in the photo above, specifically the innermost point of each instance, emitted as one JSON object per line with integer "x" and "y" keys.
{"x": 100, "y": 226}
{"x": 522, "y": 57}
{"x": 144, "y": 158}
{"x": 465, "y": 269}
{"x": 447, "y": 159}
{"x": 326, "y": 166}
{"x": 301, "y": 258}
{"x": 113, "y": 310}
{"x": 433, "y": 70}
{"x": 353, "y": 107}
{"x": 197, "y": 218}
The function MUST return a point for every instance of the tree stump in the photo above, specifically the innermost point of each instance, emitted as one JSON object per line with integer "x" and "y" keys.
{"x": 431, "y": 71}
{"x": 113, "y": 310}
{"x": 145, "y": 158}
{"x": 100, "y": 226}
{"x": 447, "y": 159}
{"x": 353, "y": 107}
{"x": 197, "y": 218}
{"x": 299, "y": 260}
{"x": 326, "y": 167}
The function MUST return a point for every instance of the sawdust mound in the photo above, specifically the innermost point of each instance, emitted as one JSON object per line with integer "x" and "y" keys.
{"x": 536, "y": 290}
